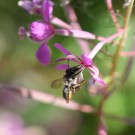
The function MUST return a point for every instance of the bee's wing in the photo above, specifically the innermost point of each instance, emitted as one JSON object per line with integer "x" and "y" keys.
{"x": 57, "y": 83}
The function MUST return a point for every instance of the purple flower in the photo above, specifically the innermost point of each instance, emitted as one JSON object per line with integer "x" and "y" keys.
{"x": 43, "y": 54}
{"x": 41, "y": 30}
{"x": 31, "y": 6}
{"x": 84, "y": 61}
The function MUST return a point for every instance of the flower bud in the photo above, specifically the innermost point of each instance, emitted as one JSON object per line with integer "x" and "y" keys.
{"x": 40, "y": 31}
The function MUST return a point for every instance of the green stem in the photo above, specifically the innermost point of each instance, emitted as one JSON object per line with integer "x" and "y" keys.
{"x": 122, "y": 41}
{"x": 116, "y": 56}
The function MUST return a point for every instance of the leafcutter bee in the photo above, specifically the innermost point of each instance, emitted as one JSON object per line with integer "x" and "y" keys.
{"x": 72, "y": 81}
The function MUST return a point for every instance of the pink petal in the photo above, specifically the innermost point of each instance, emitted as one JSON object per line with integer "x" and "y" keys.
{"x": 62, "y": 49}
{"x": 73, "y": 58}
{"x": 61, "y": 59}
{"x": 98, "y": 80}
{"x": 95, "y": 70}
{"x": 26, "y": 5}
{"x": 43, "y": 54}
{"x": 77, "y": 34}
{"x": 62, "y": 67}
{"x": 47, "y": 10}
{"x": 86, "y": 60}
{"x": 95, "y": 73}
{"x": 69, "y": 57}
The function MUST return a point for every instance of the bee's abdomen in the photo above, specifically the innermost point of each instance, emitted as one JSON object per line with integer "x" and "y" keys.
{"x": 67, "y": 93}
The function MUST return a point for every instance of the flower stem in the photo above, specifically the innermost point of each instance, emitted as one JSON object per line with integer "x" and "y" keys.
{"x": 78, "y": 34}
{"x": 46, "y": 98}
{"x": 112, "y": 13}
{"x": 128, "y": 54}
{"x": 71, "y": 15}
{"x": 97, "y": 48}
{"x": 58, "y": 22}
{"x": 122, "y": 41}
{"x": 129, "y": 65}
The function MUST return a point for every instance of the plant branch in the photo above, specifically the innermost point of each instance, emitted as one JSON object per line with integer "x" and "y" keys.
{"x": 71, "y": 15}
{"x": 128, "y": 54}
{"x": 102, "y": 43}
{"x": 48, "y": 98}
{"x": 129, "y": 64}
{"x": 58, "y": 22}
{"x": 102, "y": 130}
{"x": 122, "y": 40}
{"x": 112, "y": 13}
{"x": 126, "y": 120}
{"x": 78, "y": 34}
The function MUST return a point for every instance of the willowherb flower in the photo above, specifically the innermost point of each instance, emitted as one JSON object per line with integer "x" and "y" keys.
{"x": 84, "y": 61}
{"x": 31, "y": 6}
{"x": 42, "y": 30}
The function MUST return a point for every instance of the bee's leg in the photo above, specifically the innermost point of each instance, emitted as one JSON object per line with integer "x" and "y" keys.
{"x": 73, "y": 90}
{"x": 78, "y": 86}
{"x": 81, "y": 82}
{"x": 68, "y": 63}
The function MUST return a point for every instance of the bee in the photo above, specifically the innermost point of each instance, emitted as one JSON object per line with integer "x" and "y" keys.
{"x": 72, "y": 81}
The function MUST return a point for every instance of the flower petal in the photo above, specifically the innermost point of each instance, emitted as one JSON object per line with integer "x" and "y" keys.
{"x": 95, "y": 73}
{"x": 36, "y": 1}
{"x": 74, "y": 58}
{"x": 96, "y": 78}
{"x": 47, "y": 10}
{"x": 76, "y": 33}
{"x": 69, "y": 57}
{"x": 40, "y": 31}
{"x": 95, "y": 70}
{"x": 26, "y": 5}
{"x": 86, "y": 60}
{"x": 43, "y": 54}
{"x": 62, "y": 49}
{"x": 62, "y": 67}
{"x": 60, "y": 59}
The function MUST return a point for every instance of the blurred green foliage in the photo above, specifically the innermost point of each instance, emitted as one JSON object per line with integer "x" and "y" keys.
{"x": 19, "y": 66}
